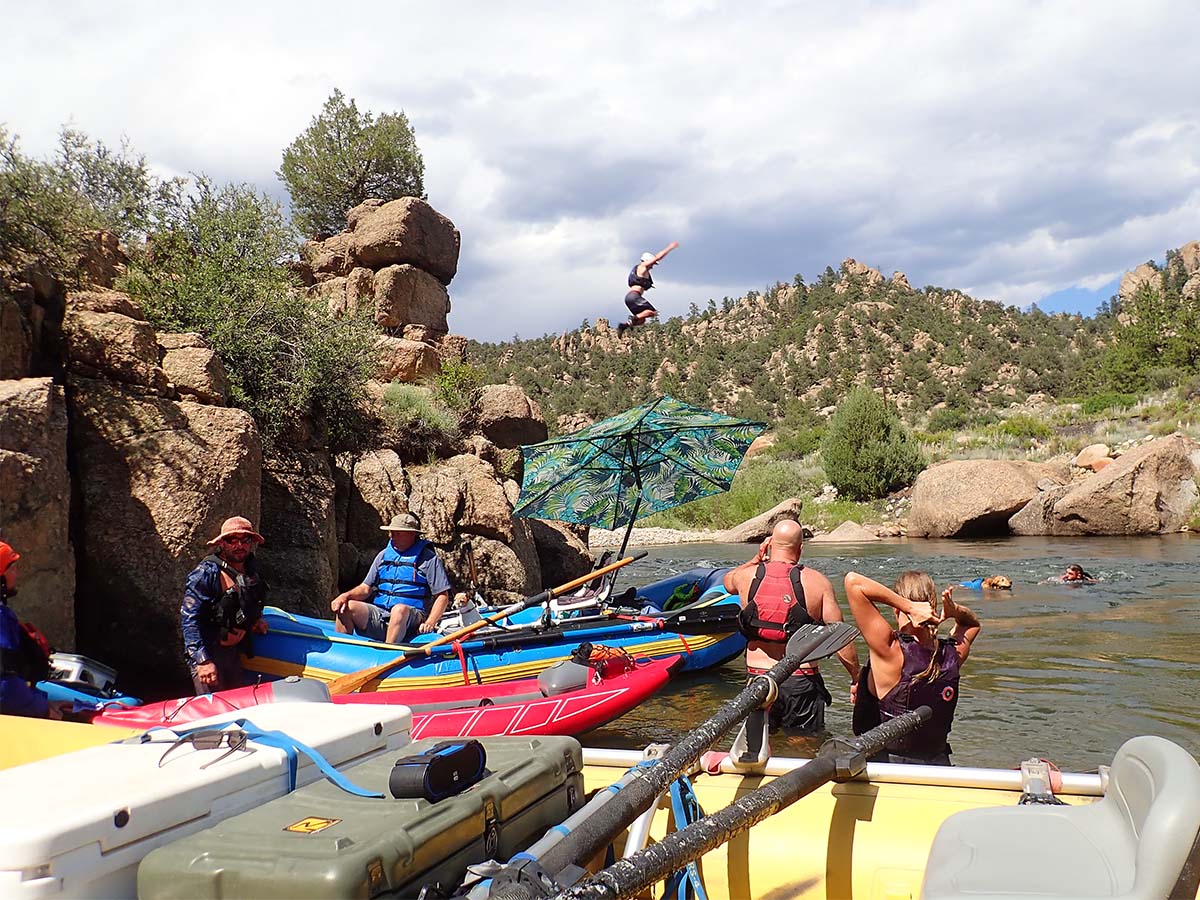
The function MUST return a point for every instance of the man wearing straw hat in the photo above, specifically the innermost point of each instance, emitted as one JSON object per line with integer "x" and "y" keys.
{"x": 222, "y": 605}
{"x": 405, "y": 592}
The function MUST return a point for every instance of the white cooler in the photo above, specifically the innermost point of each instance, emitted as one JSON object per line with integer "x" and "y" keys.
{"x": 77, "y": 825}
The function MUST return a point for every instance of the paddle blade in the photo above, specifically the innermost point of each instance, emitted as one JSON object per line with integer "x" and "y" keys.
{"x": 813, "y": 642}
{"x": 353, "y": 681}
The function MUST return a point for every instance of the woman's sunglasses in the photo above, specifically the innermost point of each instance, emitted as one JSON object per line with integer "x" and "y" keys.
{"x": 210, "y": 739}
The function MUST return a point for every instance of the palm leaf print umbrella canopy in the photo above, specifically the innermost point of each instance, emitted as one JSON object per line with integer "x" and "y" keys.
{"x": 653, "y": 457}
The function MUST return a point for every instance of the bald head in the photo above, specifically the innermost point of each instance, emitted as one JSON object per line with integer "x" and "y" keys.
{"x": 786, "y": 540}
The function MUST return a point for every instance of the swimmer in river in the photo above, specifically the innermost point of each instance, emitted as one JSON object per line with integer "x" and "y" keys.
{"x": 1075, "y": 574}
{"x": 991, "y": 583}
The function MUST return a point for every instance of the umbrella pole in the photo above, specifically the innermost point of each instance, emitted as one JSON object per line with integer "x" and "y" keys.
{"x": 629, "y": 528}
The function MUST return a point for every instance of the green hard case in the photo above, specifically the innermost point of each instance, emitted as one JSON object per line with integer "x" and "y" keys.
{"x": 320, "y": 841}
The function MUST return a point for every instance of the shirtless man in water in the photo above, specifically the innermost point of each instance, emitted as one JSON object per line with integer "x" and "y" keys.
{"x": 803, "y": 697}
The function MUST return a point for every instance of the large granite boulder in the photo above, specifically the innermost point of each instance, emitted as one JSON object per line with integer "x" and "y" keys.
{"x": 405, "y": 360}
{"x": 331, "y": 292}
{"x": 112, "y": 344}
{"x": 460, "y": 494}
{"x": 507, "y": 572}
{"x": 1091, "y": 454}
{"x": 16, "y": 341}
{"x": 507, "y": 417}
{"x": 35, "y": 502}
{"x": 846, "y": 533}
{"x": 1133, "y": 281}
{"x": 1149, "y": 490}
{"x": 755, "y": 529}
{"x": 562, "y": 555}
{"x": 330, "y": 257}
{"x": 154, "y": 480}
{"x": 407, "y": 230}
{"x": 194, "y": 368}
{"x": 976, "y": 497}
{"x": 300, "y": 559}
{"x": 371, "y": 488}
{"x": 101, "y": 259}
{"x": 405, "y": 295}
{"x": 462, "y": 497}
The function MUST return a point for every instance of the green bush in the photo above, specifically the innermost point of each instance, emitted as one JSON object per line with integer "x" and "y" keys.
{"x": 217, "y": 271}
{"x": 1098, "y": 403}
{"x": 946, "y": 419}
{"x": 1025, "y": 426}
{"x": 758, "y": 486}
{"x": 40, "y": 214}
{"x": 456, "y": 383}
{"x": 47, "y": 208}
{"x": 795, "y": 444}
{"x": 867, "y": 452}
{"x": 418, "y": 425}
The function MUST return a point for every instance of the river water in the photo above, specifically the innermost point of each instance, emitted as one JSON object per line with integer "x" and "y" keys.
{"x": 1061, "y": 671}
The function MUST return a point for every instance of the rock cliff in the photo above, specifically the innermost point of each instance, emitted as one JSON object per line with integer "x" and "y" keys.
{"x": 121, "y": 456}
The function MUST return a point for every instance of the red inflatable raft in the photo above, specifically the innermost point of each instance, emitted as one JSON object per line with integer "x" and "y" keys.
{"x": 543, "y": 705}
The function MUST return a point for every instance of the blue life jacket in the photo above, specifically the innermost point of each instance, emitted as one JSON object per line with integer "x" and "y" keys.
{"x": 399, "y": 580}
{"x": 645, "y": 282}
{"x": 976, "y": 583}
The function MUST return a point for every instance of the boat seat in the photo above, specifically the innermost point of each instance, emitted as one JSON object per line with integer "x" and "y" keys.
{"x": 1138, "y": 841}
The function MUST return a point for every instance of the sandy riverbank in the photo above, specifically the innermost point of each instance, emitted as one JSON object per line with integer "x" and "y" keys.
{"x": 600, "y": 539}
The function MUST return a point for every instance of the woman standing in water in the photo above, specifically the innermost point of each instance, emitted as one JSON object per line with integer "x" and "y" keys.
{"x": 640, "y": 281}
{"x": 910, "y": 666}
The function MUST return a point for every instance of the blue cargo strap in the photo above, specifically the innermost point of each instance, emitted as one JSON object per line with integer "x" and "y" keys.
{"x": 685, "y": 883}
{"x": 293, "y": 748}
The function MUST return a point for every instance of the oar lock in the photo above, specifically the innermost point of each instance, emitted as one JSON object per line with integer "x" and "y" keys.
{"x": 772, "y": 689}
{"x": 849, "y": 761}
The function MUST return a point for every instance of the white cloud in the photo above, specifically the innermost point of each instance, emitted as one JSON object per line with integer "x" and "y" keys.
{"x": 1007, "y": 148}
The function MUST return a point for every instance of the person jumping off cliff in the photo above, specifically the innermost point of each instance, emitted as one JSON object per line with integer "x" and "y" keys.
{"x": 640, "y": 281}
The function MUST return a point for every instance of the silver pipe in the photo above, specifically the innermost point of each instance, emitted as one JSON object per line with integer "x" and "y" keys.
{"x": 886, "y": 773}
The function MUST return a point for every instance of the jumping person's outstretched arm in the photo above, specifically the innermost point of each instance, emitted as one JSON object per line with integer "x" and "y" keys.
{"x": 658, "y": 257}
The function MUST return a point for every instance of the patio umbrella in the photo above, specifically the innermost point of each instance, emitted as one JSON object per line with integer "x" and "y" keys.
{"x": 653, "y": 457}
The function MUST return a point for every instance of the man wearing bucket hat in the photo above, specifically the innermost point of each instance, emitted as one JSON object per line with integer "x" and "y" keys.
{"x": 222, "y": 605}
{"x": 640, "y": 281}
{"x": 405, "y": 592}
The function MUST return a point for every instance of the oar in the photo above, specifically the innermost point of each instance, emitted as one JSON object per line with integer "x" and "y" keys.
{"x": 612, "y": 813}
{"x": 837, "y": 758}
{"x": 352, "y": 681}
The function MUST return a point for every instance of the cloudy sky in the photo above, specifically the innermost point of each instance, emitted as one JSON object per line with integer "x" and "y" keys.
{"x": 1021, "y": 151}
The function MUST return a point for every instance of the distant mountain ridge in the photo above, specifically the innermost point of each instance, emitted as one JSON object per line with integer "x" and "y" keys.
{"x": 796, "y": 349}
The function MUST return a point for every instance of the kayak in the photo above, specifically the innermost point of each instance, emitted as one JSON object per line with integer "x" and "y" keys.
{"x": 524, "y": 707}
{"x": 702, "y": 632}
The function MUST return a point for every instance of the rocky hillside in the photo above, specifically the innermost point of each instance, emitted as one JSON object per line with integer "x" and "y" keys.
{"x": 799, "y": 347}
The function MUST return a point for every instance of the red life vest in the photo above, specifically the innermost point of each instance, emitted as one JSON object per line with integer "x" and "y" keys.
{"x": 775, "y": 605}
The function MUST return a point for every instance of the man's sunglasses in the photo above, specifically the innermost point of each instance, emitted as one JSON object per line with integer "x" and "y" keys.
{"x": 210, "y": 739}
{"x": 238, "y": 539}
